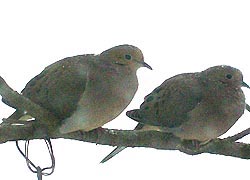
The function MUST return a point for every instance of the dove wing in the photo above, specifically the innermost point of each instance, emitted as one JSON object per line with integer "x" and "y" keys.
{"x": 170, "y": 103}
{"x": 59, "y": 86}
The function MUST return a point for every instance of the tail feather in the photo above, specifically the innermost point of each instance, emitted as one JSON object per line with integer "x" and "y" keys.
{"x": 113, "y": 153}
{"x": 18, "y": 116}
{"x": 119, "y": 148}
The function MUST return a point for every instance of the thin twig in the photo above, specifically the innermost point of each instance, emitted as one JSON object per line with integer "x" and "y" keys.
{"x": 247, "y": 107}
{"x": 239, "y": 135}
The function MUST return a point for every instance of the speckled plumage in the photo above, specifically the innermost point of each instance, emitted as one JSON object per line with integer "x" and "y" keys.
{"x": 87, "y": 91}
{"x": 198, "y": 106}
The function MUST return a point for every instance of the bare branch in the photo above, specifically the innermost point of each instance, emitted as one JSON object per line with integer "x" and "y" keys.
{"x": 239, "y": 135}
{"x": 159, "y": 140}
{"x": 21, "y": 102}
{"x": 130, "y": 138}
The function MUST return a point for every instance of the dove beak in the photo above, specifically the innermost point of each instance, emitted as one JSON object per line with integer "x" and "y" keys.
{"x": 245, "y": 85}
{"x": 145, "y": 65}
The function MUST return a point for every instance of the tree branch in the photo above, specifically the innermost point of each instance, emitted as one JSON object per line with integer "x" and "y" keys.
{"x": 21, "y": 102}
{"x": 47, "y": 123}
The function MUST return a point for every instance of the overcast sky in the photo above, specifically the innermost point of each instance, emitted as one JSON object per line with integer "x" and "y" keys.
{"x": 175, "y": 36}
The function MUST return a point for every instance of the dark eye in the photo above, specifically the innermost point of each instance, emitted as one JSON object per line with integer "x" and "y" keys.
{"x": 229, "y": 76}
{"x": 128, "y": 57}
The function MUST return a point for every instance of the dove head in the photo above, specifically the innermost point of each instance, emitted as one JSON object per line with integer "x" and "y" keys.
{"x": 125, "y": 55}
{"x": 223, "y": 76}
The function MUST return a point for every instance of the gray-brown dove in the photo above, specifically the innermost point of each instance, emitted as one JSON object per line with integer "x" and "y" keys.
{"x": 87, "y": 91}
{"x": 196, "y": 106}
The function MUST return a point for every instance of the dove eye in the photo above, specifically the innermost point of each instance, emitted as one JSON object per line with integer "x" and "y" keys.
{"x": 229, "y": 76}
{"x": 128, "y": 57}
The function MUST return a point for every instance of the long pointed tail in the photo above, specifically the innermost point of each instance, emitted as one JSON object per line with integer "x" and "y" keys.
{"x": 113, "y": 153}
{"x": 119, "y": 148}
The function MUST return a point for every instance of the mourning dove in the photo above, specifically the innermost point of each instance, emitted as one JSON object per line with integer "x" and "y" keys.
{"x": 196, "y": 106}
{"x": 87, "y": 91}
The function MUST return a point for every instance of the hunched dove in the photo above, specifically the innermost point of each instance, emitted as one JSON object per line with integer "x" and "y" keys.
{"x": 196, "y": 106}
{"x": 86, "y": 91}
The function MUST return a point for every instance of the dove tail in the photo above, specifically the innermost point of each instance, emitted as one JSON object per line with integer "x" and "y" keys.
{"x": 17, "y": 115}
{"x": 119, "y": 148}
{"x": 113, "y": 153}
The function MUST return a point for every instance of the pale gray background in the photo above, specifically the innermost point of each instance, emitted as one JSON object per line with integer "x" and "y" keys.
{"x": 175, "y": 36}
